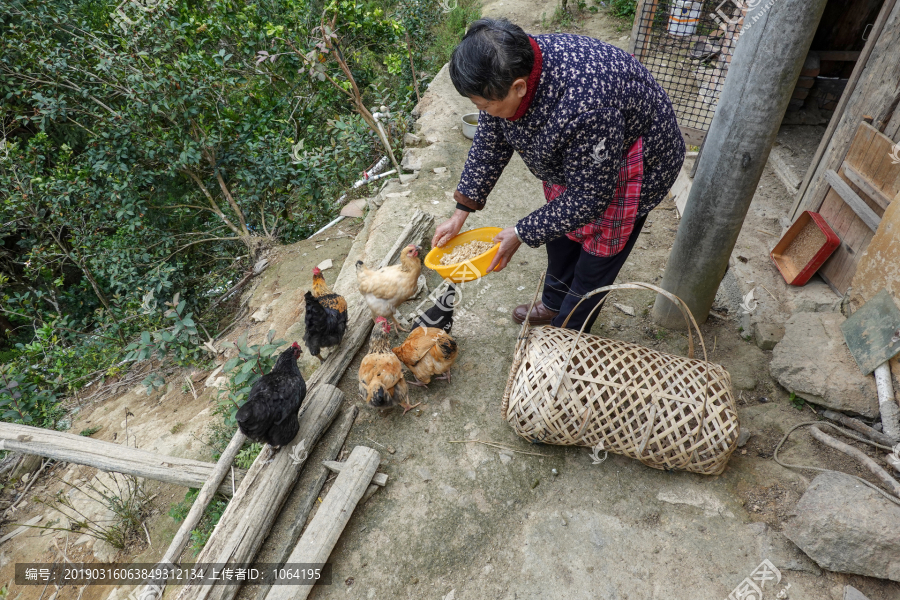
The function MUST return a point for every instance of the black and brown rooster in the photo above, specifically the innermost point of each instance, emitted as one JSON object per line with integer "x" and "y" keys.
{"x": 326, "y": 316}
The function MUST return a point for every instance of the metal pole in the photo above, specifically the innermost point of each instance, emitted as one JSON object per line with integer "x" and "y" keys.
{"x": 761, "y": 78}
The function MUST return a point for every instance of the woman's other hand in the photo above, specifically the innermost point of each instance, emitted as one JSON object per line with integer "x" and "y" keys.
{"x": 449, "y": 229}
{"x": 509, "y": 243}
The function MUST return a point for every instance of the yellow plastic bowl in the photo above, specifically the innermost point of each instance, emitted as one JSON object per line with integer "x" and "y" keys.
{"x": 467, "y": 271}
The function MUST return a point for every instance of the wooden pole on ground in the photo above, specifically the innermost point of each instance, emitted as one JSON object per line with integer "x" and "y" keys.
{"x": 176, "y": 547}
{"x": 761, "y": 79}
{"x": 249, "y": 516}
{"x": 110, "y": 457}
{"x": 323, "y": 532}
{"x": 849, "y": 450}
{"x": 256, "y": 504}
{"x": 293, "y": 534}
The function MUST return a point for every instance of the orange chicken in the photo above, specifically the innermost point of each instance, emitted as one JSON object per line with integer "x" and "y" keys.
{"x": 428, "y": 352}
{"x": 381, "y": 380}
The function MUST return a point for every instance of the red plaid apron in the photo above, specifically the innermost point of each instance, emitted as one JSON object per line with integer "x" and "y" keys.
{"x": 607, "y": 235}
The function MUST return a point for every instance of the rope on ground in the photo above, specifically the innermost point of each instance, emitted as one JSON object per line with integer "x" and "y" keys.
{"x": 820, "y": 469}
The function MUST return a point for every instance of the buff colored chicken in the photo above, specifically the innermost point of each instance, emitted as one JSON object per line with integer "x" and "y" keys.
{"x": 428, "y": 352}
{"x": 381, "y": 380}
{"x": 387, "y": 288}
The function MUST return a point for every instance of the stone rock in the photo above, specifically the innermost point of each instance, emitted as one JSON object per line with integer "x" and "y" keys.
{"x": 847, "y": 527}
{"x": 742, "y": 375}
{"x": 294, "y": 333}
{"x": 767, "y": 335}
{"x": 211, "y": 380}
{"x": 411, "y": 161}
{"x": 813, "y": 362}
{"x": 103, "y": 552}
{"x": 261, "y": 314}
{"x": 406, "y": 178}
{"x": 411, "y": 140}
{"x": 743, "y": 437}
{"x": 851, "y": 593}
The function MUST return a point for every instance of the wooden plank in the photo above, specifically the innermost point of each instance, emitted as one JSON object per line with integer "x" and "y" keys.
{"x": 155, "y": 587}
{"x": 856, "y": 203}
{"x": 642, "y": 30}
{"x": 636, "y": 27}
{"x": 839, "y": 55}
{"x": 782, "y": 169}
{"x": 379, "y": 479}
{"x": 288, "y": 540}
{"x": 326, "y": 527}
{"x": 871, "y": 97}
{"x": 838, "y": 270}
{"x": 249, "y": 516}
{"x": 110, "y": 457}
{"x": 879, "y": 266}
{"x": 29, "y": 524}
{"x": 867, "y": 187}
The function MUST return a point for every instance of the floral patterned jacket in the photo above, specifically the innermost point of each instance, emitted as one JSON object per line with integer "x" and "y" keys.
{"x": 587, "y": 103}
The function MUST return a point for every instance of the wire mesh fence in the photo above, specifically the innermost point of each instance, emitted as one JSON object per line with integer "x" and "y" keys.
{"x": 687, "y": 46}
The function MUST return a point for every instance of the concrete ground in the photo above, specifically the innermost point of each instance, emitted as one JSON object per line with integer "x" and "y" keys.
{"x": 459, "y": 519}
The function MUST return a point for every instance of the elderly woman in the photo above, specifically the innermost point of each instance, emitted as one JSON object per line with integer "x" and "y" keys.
{"x": 588, "y": 120}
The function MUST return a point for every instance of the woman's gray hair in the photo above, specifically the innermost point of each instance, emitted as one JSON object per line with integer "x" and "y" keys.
{"x": 493, "y": 54}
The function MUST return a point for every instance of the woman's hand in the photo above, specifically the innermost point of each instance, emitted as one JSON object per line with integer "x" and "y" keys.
{"x": 449, "y": 229}
{"x": 509, "y": 243}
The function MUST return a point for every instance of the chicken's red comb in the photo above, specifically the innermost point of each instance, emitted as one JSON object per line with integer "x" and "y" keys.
{"x": 295, "y": 345}
{"x": 317, "y": 271}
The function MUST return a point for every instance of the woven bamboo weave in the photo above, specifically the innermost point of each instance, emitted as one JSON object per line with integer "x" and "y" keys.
{"x": 669, "y": 412}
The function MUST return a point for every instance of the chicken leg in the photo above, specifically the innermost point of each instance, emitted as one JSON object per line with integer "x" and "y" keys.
{"x": 406, "y": 406}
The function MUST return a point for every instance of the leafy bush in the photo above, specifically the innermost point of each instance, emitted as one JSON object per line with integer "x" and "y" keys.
{"x": 624, "y": 9}
{"x": 242, "y": 371}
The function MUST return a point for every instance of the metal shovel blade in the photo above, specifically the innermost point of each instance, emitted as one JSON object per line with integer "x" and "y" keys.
{"x": 873, "y": 332}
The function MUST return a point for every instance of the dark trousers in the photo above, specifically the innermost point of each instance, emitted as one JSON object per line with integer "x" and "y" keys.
{"x": 572, "y": 273}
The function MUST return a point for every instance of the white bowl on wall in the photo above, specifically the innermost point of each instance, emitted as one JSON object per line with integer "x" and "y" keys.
{"x": 469, "y": 125}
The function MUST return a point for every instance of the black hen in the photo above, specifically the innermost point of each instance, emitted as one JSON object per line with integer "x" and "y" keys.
{"x": 326, "y": 316}
{"x": 270, "y": 413}
{"x": 440, "y": 315}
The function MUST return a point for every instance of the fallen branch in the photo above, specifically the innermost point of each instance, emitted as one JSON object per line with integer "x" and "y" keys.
{"x": 495, "y": 445}
{"x": 859, "y": 426}
{"x": 870, "y": 464}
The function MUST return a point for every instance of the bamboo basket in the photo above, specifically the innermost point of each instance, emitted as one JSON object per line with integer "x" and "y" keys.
{"x": 577, "y": 389}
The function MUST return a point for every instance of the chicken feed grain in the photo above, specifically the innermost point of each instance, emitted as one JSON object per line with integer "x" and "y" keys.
{"x": 465, "y": 252}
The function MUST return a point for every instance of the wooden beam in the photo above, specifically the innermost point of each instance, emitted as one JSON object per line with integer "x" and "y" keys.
{"x": 326, "y": 527}
{"x": 379, "y": 479}
{"x": 110, "y": 457}
{"x": 256, "y": 504}
{"x": 179, "y": 542}
{"x": 691, "y": 135}
{"x": 847, "y": 116}
{"x": 782, "y": 169}
{"x": 287, "y": 541}
{"x": 868, "y": 188}
{"x": 761, "y": 77}
{"x": 249, "y": 516}
{"x": 857, "y": 204}
{"x": 643, "y": 20}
